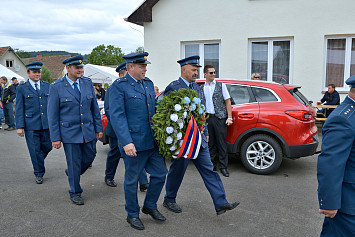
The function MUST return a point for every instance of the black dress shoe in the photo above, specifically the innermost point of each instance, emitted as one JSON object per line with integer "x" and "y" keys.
{"x": 77, "y": 200}
{"x": 110, "y": 182}
{"x": 225, "y": 172}
{"x": 154, "y": 213}
{"x": 136, "y": 223}
{"x": 172, "y": 206}
{"x": 227, "y": 207}
{"x": 39, "y": 180}
{"x": 143, "y": 187}
{"x": 66, "y": 171}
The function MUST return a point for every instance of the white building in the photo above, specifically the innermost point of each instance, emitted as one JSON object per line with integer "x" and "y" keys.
{"x": 10, "y": 60}
{"x": 307, "y": 43}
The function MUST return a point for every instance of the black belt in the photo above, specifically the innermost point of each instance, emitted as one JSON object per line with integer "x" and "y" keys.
{"x": 211, "y": 115}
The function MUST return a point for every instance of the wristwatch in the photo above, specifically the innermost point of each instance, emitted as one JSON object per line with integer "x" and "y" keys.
{"x": 230, "y": 118}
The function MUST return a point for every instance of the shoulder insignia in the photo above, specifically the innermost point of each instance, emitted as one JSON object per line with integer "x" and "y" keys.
{"x": 347, "y": 111}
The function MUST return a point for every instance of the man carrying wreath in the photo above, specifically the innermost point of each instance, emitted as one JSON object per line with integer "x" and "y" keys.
{"x": 189, "y": 72}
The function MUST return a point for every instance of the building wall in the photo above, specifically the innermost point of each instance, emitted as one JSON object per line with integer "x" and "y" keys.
{"x": 233, "y": 23}
{"x": 9, "y": 55}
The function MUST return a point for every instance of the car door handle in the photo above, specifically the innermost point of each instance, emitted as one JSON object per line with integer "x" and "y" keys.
{"x": 246, "y": 116}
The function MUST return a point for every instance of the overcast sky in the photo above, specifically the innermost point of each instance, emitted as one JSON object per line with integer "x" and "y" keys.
{"x": 74, "y": 26}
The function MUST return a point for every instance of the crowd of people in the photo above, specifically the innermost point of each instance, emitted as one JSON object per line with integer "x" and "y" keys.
{"x": 66, "y": 113}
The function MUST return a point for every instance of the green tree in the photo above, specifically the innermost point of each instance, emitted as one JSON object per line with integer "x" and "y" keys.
{"x": 109, "y": 55}
{"x": 23, "y": 54}
{"x": 46, "y": 75}
{"x": 140, "y": 49}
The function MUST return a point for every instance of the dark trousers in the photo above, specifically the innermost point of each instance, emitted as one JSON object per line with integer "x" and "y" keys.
{"x": 204, "y": 166}
{"x": 39, "y": 145}
{"x": 79, "y": 158}
{"x": 217, "y": 130}
{"x": 154, "y": 164}
{"x": 9, "y": 114}
{"x": 341, "y": 225}
{"x": 113, "y": 158}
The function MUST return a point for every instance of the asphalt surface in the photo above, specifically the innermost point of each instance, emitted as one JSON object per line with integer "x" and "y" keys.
{"x": 282, "y": 204}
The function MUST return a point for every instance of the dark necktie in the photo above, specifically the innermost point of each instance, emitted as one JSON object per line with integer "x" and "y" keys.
{"x": 191, "y": 86}
{"x": 141, "y": 84}
{"x": 76, "y": 89}
{"x": 36, "y": 85}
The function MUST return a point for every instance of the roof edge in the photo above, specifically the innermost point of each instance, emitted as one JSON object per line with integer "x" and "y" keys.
{"x": 143, "y": 13}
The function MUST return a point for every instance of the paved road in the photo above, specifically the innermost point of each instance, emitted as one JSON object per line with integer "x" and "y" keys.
{"x": 281, "y": 204}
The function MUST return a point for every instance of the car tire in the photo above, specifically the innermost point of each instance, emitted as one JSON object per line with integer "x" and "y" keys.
{"x": 261, "y": 154}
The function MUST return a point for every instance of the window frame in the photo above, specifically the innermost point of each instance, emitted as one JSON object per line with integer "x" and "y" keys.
{"x": 270, "y": 65}
{"x": 202, "y": 54}
{"x": 347, "y": 62}
{"x": 12, "y": 62}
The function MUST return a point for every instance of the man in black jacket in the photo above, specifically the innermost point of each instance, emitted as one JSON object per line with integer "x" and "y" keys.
{"x": 331, "y": 97}
{"x": 8, "y": 92}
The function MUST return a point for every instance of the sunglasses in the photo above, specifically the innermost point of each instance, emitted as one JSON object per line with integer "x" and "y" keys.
{"x": 256, "y": 77}
{"x": 212, "y": 73}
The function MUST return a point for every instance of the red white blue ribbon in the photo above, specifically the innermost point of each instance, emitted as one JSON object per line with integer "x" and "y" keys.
{"x": 192, "y": 141}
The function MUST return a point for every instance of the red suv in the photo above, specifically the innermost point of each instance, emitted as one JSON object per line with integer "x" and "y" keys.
{"x": 271, "y": 121}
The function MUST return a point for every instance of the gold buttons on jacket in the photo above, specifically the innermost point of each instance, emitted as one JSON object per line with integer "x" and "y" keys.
{"x": 82, "y": 124}
{"x": 40, "y": 97}
{"x": 81, "y": 114}
{"x": 42, "y": 113}
{"x": 41, "y": 105}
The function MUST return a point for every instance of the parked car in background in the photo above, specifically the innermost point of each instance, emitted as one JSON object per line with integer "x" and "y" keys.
{"x": 271, "y": 121}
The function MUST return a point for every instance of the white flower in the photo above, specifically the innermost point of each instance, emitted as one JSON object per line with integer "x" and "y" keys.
{"x": 177, "y": 107}
{"x": 174, "y": 117}
{"x": 193, "y": 107}
{"x": 179, "y": 135}
{"x": 185, "y": 114}
{"x": 169, "y": 130}
{"x": 181, "y": 142}
{"x": 181, "y": 125}
{"x": 169, "y": 140}
{"x": 173, "y": 148}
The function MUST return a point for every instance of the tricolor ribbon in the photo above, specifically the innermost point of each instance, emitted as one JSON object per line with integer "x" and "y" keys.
{"x": 192, "y": 141}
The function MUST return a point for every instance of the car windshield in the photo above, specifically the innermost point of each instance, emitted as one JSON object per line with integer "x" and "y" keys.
{"x": 299, "y": 96}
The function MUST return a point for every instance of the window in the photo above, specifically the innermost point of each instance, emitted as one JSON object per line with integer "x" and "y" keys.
{"x": 264, "y": 95}
{"x": 9, "y": 63}
{"x": 208, "y": 52}
{"x": 340, "y": 61}
{"x": 271, "y": 59}
{"x": 238, "y": 94}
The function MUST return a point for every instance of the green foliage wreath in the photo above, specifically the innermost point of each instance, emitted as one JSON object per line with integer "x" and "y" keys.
{"x": 172, "y": 117}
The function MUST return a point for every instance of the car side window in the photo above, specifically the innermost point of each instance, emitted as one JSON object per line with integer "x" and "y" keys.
{"x": 263, "y": 95}
{"x": 238, "y": 94}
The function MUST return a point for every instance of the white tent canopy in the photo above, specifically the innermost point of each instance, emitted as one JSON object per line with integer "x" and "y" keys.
{"x": 100, "y": 74}
{"x": 9, "y": 74}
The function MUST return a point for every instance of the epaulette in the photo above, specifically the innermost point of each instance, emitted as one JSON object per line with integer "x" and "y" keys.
{"x": 174, "y": 82}
{"x": 121, "y": 79}
{"x": 56, "y": 81}
{"x": 347, "y": 111}
{"x": 86, "y": 78}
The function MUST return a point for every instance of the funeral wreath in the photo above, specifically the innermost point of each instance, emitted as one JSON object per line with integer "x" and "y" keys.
{"x": 172, "y": 118}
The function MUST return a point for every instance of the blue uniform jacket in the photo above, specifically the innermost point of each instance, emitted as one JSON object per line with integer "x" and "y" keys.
{"x": 178, "y": 84}
{"x": 31, "y": 106}
{"x": 73, "y": 119}
{"x": 108, "y": 130}
{"x": 336, "y": 163}
{"x": 131, "y": 112}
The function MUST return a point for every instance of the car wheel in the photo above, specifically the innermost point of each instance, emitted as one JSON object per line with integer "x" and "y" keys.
{"x": 261, "y": 154}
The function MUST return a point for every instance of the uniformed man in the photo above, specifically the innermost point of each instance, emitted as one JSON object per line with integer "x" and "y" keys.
{"x": 189, "y": 72}
{"x": 336, "y": 169}
{"x": 132, "y": 106}
{"x": 74, "y": 120}
{"x": 31, "y": 117}
{"x": 114, "y": 155}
